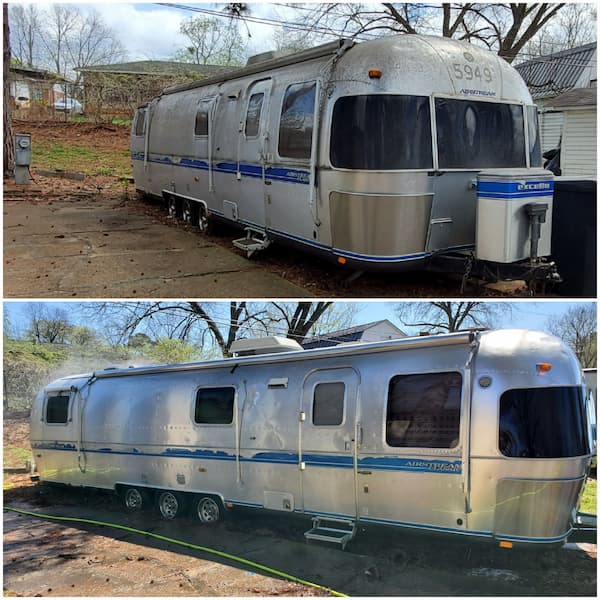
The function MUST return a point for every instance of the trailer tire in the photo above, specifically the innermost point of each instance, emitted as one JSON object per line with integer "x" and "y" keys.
{"x": 189, "y": 211}
{"x": 134, "y": 499}
{"x": 169, "y": 504}
{"x": 208, "y": 510}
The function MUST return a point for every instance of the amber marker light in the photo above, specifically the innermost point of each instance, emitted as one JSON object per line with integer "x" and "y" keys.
{"x": 341, "y": 260}
{"x": 543, "y": 368}
{"x": 506, "y": 544}
{"x": 375, "y": 73}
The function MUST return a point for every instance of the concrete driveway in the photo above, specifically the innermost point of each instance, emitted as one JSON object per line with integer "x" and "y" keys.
{"x": 99, "y": 247}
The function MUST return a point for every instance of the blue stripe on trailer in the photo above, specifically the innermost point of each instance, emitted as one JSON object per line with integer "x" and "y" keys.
{"x": 284, "y": 174}
{"x": 387, "y": 463}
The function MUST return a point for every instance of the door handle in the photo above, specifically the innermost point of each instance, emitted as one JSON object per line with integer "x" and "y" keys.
{"x": 364, "y": 472}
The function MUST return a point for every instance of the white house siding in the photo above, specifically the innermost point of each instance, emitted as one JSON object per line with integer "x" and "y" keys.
{"x": 381, "y": 332}
{"x": 578, "y": 152}
{"x": 551, "y": 124}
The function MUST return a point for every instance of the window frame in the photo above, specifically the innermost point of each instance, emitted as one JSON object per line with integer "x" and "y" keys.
{"x": 586, "y": 428}
{"x": 344, "y": 403}
{"x": 196, "y": 113}
{"x": 432, "y": 138}
{"x": 493, "y": 100}
{"x": 140, "y": 112}
{"x": 59, "y": 393}
{"x": 438, "y": 450}
{"x": 289, "y": 159}
{"x": 260, "y": 114}
{"x": 214, "y": 387}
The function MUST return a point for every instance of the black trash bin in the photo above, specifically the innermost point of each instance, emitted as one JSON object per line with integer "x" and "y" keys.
{"x": 574, "y": 236}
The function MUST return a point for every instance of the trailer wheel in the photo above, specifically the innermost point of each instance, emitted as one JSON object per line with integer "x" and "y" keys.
{"x": 134, "y": 499}
{"x": 172, "y": 206}
{"x": 188, "y": 210}
{"x": 208, "y": 510}
{"x": 169, "y": 505}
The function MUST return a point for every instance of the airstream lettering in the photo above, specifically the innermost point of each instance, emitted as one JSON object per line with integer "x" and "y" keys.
{"x": 476, "y": 434}
{"x": 368, "y": 154}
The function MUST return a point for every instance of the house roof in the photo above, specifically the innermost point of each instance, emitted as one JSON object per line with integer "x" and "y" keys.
{"x": 351, "y": 334}
{"x": 157, "y": 67}
{"x": 35, "y": 73}
{"x": 552, "y": 74}
{"x": 577, "y": 98}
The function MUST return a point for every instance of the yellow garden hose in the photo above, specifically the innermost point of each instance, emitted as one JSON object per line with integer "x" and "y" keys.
{"x": 243, "y": 561}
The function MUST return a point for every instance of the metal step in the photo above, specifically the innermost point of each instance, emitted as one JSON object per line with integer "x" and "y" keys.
{"x": 253, "y": 242}
{"x": 329, "y": 529}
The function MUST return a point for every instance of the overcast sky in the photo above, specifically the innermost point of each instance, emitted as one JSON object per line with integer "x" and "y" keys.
{"x": 151, "y": 32}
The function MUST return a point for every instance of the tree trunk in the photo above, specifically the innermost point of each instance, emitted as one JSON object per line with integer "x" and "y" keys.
{"x": 9, "y": 142}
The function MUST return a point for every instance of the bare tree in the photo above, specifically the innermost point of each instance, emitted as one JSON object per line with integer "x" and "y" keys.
{"x": 92, "y": 42}
{"x": 63, "y": 37}
{"x": 574, "y": 26}
{"x": 217, "y": 322}
{"x": 60, "y": 22}
{"x": 47, "y": 325}
{"x": 211, "y": 42}
{"x": 25, "y": 30}
{"x": 504, "y": 28}
{"x": 578, "y": 328}
{"x": 447, "y": 317}
{"x": 8, "y": 141}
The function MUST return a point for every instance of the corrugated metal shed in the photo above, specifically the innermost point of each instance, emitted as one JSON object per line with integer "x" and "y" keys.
{"x": 550, "y": 75}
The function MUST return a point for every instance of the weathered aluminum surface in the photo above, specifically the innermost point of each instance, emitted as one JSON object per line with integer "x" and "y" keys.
{"x": 136, "y": 426}
{"x": 290, "y": 199}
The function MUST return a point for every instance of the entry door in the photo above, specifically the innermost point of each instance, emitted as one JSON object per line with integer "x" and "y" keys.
{"x": 204, "y": 146}
{"x": 252, "y": 153}
{"x": 327, "y": 450}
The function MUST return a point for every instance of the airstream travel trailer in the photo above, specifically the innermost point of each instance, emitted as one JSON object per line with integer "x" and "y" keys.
{"x": 476, "y": 434}
{"x": 383, "y": 154}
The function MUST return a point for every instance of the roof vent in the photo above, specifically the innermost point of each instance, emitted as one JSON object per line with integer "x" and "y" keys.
{"x": 269, "y": 55}
{"x": 266, "y": 345}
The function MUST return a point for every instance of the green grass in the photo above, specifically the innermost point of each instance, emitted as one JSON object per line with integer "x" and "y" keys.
{"x": 15, "y": 457}
{"x": 590, "y": 496}
{"x": 55, "y": 155}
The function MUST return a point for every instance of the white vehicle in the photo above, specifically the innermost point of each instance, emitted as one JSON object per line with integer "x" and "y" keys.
{"x": 69, "y": 105}
{"x": 473, "y": 434}
{"x": 381, "y": 155}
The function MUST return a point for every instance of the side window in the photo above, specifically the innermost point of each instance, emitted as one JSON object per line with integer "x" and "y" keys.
{"x": 328, "y": 404}
{"x": 253, "y": 115}
{"x": 296, "y": 124}
{"x": 423, "y": 410}
{"x": 57, "y": 409}
{"x": 214, "y": 406}
{"x": 140, "y": 122}
{"x": 201, "y": 124}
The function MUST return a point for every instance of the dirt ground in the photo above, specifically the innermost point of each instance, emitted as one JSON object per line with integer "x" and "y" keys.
{"x": 45, "y": 558}
{"x": 50, "y": 234}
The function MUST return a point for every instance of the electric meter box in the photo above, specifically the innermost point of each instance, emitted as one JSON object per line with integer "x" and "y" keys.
{"x": 503, "y": 224}
{"x": 22, "y": 150}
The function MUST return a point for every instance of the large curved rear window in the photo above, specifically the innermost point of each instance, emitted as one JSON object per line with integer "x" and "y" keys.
{"x": 381, "y": 132}
{"x": 543, "y": 423}
{"x": 479, "y": 135}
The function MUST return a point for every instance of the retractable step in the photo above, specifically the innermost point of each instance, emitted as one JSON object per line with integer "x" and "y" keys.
{"x": 329, "y": 529}
{"x": 254, "y": 241}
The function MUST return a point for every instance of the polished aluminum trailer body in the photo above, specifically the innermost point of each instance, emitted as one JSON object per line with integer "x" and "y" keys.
{"x": 330, "y": 432}
{"x": 366, "y": 153}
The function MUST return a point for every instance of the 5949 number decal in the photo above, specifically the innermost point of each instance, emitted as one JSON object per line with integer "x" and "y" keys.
{"x": 470, "y": 72}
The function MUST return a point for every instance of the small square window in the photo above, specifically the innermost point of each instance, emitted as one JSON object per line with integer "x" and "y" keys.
{"x": 201, "y": 126}
{"x": 328, "y": 404}
{"x": 214, "y": 406}
{"x": 57, "y": 409}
